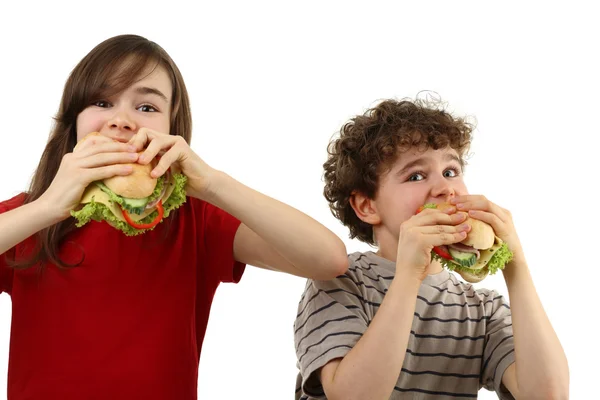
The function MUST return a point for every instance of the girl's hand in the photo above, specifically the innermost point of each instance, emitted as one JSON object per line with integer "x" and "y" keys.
{"x": 173, "y": 150}
{"x": 95, "y": 159}
{"x": 421, "y": 233}
{"x": 499, "y": 218}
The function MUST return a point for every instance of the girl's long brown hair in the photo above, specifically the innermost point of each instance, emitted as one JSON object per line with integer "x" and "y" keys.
{"x": 107, "y": 70}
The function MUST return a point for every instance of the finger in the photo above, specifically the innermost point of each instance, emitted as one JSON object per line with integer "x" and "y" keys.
{"x": 105, "y": 147}
{"x": 141, "y": 139}
{"x": 165, "y": 162}
{"x": 90, "y": 175}
{"x": 102, "y": 159}
{"x": 476, "y": 202}
{"x": 440, "y": 239}
{"x": 489, "y": 218}
{"x": 157, "y": 146}
{"x": 437, "y": 229}
{"x": 91, "y": 141}
{"x": 437, "y": 217}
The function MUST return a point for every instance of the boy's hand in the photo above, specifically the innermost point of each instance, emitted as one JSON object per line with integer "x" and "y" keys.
{"x": 174, "y": 150}
{"x": 420, "y": 233}
{"x": 499, "y": 218}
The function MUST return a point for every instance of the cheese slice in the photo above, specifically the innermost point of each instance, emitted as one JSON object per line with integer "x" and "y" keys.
{"x": 93, "y": 192}
{"x": 486, "y": 255}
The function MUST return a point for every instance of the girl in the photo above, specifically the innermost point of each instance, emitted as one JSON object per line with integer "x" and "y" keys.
{"x": 97, "y": 314}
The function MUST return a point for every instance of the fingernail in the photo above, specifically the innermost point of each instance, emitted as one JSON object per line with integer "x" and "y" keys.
{"x": 458, "y": 217}
{"x": 133, "y": 156}
{"x": 460, "y": 206}
{"x": 472, "y": 212}
{"x": 131, "y": 148}
{"x": 464, "y": 227}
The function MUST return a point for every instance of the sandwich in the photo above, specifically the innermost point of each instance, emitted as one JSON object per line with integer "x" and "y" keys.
{"x": 480, "y": 254}
{"x": 135, "y": 203}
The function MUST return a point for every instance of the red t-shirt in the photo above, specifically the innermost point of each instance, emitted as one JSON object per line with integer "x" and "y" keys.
{"x": 129, "y": 322}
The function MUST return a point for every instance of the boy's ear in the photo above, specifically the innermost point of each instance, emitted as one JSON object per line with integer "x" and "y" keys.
{"x": 365, "y": 208}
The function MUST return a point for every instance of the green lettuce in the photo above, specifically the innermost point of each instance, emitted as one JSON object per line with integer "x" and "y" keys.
{"x": 498, "y": 261}
{"x": 140, "y": 203}
{"x": 99, "y": 212}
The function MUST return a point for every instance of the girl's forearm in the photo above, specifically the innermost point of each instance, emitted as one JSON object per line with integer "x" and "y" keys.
{"x": 302, "y": 241}
{"x": 22, "y": 222}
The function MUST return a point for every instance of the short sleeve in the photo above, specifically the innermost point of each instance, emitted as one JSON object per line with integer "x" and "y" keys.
{"x": 499, "y": 350}
{"x": 219, "y": 235}
{"x": 6, "y": 272}
{"x": 330, "y": 321}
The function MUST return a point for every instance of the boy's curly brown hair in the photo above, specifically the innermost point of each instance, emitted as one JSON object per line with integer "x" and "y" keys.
{"x": 369, "y": 144}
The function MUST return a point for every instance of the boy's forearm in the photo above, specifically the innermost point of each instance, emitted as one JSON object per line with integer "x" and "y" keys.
{"x": 370, "y": 370}
{"x": 22, "y": 222}
{"x": 539, "y": 357}
{"x": 302, "y": 241}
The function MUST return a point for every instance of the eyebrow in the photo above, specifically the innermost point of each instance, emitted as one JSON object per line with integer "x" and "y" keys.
{"x": 421, "y": 161}
{"x": 151, "y": 90}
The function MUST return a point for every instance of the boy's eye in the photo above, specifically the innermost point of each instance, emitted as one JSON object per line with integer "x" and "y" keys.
{"x": 102, "y": 104}
{"x": 450, "y": 173}
{"x": 416, "y": 177}
{"x": 147, "y": 108}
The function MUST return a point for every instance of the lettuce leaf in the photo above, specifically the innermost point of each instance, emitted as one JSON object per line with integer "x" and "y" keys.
{"x": 99, "y": 212}
{"x": 499, "y": 260}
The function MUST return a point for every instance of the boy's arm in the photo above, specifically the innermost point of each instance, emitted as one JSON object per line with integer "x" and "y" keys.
{"x": 276, "y": 236}
{"x": 541, "y": 367}
{"x": 540, "y": 370}
{"x": 370, "y": 369}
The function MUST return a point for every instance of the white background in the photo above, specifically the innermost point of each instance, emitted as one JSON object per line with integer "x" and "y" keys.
{"x": 270, "y": 82}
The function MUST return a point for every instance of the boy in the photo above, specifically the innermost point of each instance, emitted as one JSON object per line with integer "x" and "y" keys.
{"x": 396, "y": 325}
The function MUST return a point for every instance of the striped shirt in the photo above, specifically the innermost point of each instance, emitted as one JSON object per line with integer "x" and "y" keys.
{"x": 461, "y": 339}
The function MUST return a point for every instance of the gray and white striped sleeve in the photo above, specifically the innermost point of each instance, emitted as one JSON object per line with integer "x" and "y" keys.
{"x": 330, "y": 320}
{"x": 499, "y": 351}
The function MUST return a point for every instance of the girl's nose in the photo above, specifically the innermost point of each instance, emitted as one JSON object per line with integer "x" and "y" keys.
{"x": 121, "y": 121}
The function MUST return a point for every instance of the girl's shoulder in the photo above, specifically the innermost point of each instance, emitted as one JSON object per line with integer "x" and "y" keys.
{"x": 12, "y": 203}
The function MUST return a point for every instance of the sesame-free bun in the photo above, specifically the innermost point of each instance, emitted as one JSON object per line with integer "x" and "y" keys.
{"x": 481, "y": 236}
{"x": 472, "y": 278}
{"x": 137, "y": 185}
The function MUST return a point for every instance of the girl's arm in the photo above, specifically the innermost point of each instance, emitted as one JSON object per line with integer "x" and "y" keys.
{"x": 276, "y": 236}
{"x": 272, "y": 235}
{"x": 22, "y": 222}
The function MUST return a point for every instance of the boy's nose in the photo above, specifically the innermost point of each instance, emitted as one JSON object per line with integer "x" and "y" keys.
{"x": 443, "y": 191}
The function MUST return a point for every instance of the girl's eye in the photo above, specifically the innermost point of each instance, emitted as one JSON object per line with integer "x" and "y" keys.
{"x": 451, "y": 173}
{"x": 147, "y": 108}
{"x": 418, "y": 176}
{"x": 102, "y": 104}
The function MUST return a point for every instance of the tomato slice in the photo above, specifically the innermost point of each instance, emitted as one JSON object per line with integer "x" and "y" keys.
{"x": 442, "y": 253}
{"x": 150, "y": 225}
